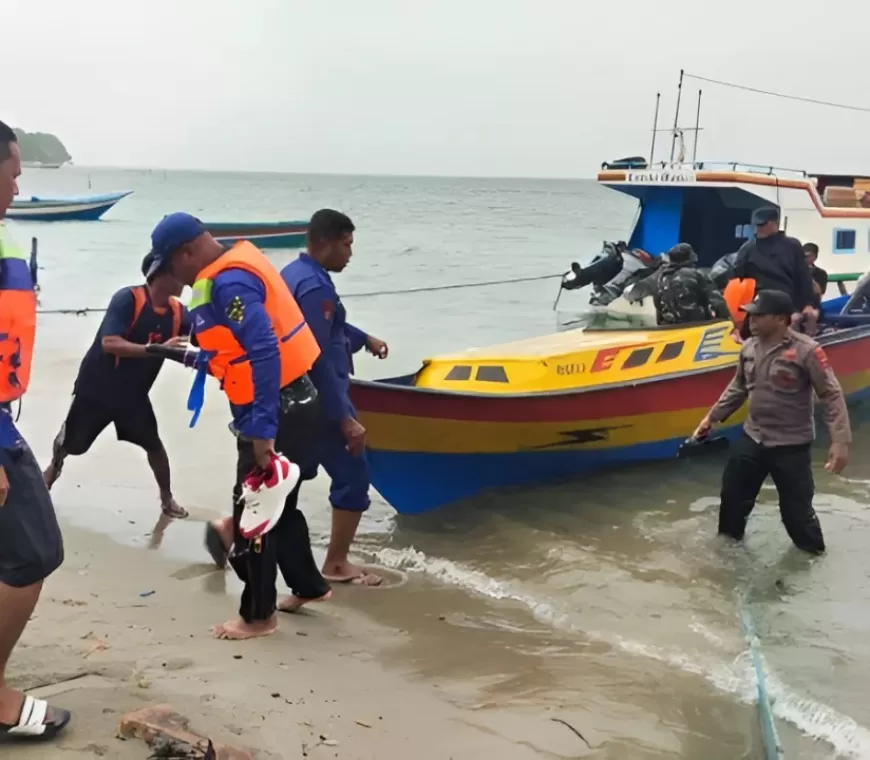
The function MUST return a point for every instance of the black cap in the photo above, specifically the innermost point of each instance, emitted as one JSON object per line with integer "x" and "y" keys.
{"x": 682, "y": 252}
{"x": 773, "y": 302}
{"x": 764, "y": 215}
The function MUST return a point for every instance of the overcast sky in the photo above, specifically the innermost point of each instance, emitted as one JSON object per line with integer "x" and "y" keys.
{"x": 543, "y": 88}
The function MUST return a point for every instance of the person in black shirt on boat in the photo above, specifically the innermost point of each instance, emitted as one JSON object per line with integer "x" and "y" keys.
{"x": 777, "y": 262}
{"x": 819, "y": 275}
{"x": 116, "y": 376}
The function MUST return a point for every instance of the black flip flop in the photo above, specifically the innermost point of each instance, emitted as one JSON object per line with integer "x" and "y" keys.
{"x": 214, "y": 544}
{"x": 31, "y": 724}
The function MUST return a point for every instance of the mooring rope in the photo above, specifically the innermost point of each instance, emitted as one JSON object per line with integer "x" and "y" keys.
{"x": 406, "y": 291}
{"x": 769, "y": 736}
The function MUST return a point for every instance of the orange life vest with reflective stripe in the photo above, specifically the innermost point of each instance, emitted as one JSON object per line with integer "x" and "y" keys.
{"x": 17, "y": 319}
{"x": 140, "y": 298}
{"x": 228, "y": 361}
{"x": 739, "y": 293}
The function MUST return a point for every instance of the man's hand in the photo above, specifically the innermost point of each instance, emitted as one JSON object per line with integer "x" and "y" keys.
{"x": 264, "y": 450}
{"x": 4, "y": 486}
{"x": 355, "y": 435}
{"x": 377, "y": 347}
{"x": 838, "y": 458}
{"x": 736, "y": 336}
{"x": 703, "y": 429}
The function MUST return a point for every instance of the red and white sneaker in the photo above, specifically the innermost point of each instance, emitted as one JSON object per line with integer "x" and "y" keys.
{"x": 264, "y": 492}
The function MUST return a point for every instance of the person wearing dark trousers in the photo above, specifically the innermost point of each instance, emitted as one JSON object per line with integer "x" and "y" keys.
{"x": 777, "y": 371}
{"x": 777, "y": 262}
{"x": 253, "y": 339}
{"x": 819, "y": 275}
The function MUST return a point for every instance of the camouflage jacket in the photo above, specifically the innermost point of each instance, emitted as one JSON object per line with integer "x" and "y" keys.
{"x": 683, "y": 295}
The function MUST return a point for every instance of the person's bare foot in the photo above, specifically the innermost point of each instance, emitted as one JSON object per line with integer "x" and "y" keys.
{"x": 294, "y": 603}
{"x": 348, "y": 573}
{"x": 238, "y": 630}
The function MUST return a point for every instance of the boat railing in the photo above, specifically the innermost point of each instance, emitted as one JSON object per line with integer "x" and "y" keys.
{"x": 731, "y": 166}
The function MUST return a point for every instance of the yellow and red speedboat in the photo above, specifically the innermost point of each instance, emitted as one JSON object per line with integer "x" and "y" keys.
{"x": 563, "y": 405}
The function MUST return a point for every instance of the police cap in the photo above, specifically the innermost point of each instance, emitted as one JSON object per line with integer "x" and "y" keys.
{"x": 773, "y": 302}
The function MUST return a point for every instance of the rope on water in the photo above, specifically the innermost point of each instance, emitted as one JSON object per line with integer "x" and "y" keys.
{"x": 427, "y": 289}
{"x": 769, "y": 736}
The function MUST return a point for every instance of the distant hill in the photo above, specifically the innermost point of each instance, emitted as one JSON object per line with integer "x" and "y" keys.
{"x": 41, "y": 147}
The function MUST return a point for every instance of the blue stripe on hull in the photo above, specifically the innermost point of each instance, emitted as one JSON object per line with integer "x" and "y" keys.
{"x": 417, "y": 482}
{"x": 72, "y": 215}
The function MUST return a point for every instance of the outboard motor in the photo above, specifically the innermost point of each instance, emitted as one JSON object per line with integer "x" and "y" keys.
{"x": 603, "y": 268}
{"x": 636, "y": 266}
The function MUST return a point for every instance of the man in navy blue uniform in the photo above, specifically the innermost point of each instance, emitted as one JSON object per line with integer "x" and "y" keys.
{"x": 330, "y": 246}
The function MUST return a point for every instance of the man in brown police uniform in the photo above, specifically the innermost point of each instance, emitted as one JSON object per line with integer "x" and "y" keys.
{"x": 778, "y": 370}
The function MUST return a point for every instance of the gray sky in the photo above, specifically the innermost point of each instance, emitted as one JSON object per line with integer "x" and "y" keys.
{"x": 545, "y": 88}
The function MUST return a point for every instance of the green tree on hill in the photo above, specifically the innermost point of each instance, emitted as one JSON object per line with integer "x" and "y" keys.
{"x": 41, "y": 146}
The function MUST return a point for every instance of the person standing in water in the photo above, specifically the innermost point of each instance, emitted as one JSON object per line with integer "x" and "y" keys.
{"x": 31, "y": 546}
{"x": 254, "y": 340}
{"x": 116, "y": 376}
{"x": 778, "y": 370}
{"x": 330, "y": 242}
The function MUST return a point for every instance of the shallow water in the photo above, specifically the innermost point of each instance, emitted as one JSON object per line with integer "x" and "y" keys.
{"x": 609, "y": 599}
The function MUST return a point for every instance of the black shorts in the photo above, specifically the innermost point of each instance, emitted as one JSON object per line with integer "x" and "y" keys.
{"x": 88, "y": 417}
{"x": 31, "y": 547}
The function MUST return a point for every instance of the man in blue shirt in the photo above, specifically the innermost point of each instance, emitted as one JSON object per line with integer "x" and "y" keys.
{"x": 116, "y": 376}
{"x": 278, "y": 419}
{"x": 330, "y": 242}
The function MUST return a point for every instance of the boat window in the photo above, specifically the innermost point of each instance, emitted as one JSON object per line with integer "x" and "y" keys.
{"x": 459, "y": 372}
{"x": 637, "y": 358}
{"x": 844, "y": 241}
{"x": 491, "y": 375}
{"x": 671, "y": 351}
{"x": 743, "y": 231}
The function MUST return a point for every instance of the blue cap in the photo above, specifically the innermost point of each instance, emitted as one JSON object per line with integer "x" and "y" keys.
{"x": 171, "y": 232}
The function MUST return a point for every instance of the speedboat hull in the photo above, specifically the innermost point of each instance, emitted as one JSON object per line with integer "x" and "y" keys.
{"x": 82, "y": 209}
{"x": 429, "y": 446}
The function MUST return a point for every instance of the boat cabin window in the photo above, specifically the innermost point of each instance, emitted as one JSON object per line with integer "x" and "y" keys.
{"x": 844, "y": 241}
{"x": 459, "y": 372}
{"x": 491, "y": 375}
{"x": 743, "y": 232}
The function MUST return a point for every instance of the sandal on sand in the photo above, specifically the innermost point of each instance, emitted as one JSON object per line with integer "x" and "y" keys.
{"x": 369, "y": 580}
{"x": 32, "y": 724}
{"x": 214, "y": 544}
{"x": 174, "y": 510}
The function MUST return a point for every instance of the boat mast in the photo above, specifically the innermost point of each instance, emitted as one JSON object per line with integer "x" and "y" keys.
{"x": 677, "y": 116}
{"x": 652, "y": 149}
{"x": 697, "y": 129}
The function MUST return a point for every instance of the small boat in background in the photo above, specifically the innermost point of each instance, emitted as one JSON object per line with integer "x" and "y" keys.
{"x": 261, "y": 234}
{"x": 42, "y": 164}
{"x": 76, "y": 209}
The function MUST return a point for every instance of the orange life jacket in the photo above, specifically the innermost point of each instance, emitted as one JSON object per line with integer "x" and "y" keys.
{"x": 17, "y": 319}
{"x": 228, "y": 361}
{"x": 140, "y": 298}
{"x": 739, "y": 293}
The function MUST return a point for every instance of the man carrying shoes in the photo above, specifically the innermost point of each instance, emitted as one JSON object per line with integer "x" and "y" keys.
{"x": 252, "y": 337}
{"x": 778, "y": 370}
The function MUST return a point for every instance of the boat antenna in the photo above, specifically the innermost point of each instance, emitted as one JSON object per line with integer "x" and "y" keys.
{"x": 677, "y": 116}
{"x": 697, "y": 128}
{"x": 652, "y": 149}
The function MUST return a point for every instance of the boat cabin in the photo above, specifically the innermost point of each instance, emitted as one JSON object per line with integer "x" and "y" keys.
{"x": 710, "y": 206}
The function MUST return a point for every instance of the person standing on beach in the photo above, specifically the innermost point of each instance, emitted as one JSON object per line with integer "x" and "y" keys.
{"x": 255, "y": 341}
{"x": 330, "y": 247}
{"x": 778, "y": 370}
{"x": 116, "y": 376}
{"x": 31, "y": 546}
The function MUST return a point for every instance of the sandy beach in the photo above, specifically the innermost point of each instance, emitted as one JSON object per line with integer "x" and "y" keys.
{"x": 119, "y": 629}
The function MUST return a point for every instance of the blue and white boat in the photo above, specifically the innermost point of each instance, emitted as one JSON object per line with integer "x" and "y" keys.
{"x": 75, "y": 209}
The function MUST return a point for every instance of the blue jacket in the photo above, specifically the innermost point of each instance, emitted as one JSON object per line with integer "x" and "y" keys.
{"x": 314, "y": 291}
{"x": 242, "y": 295}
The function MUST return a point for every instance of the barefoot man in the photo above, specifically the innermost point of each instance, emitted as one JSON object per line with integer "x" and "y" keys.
{"x": 31, "y": 547}
{"x": 116, "y": 376}
{"x": 255, "y": 341}
{"x": 330, "y": 247}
